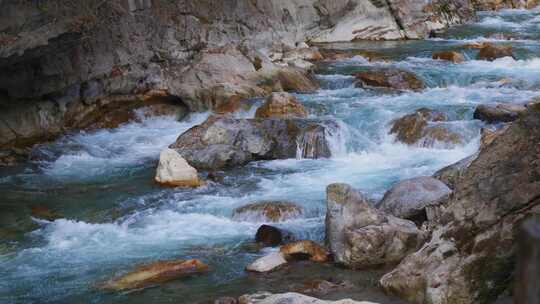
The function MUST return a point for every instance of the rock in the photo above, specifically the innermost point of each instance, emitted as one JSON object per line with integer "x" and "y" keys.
{"x": 323, "y": 287}
{"x": 156, "y": 273}
{"x": 44, "y": 213}
{"x": 454, "y": 57}
{"x": 226, "y": 300}
{"x": 451, "y": 173}
{"x": 471, "y": 256}
{"x": 222, "y": 142}
{"x": 418, "y": 129}
{"x": 173, "y": 170}
{"x": 304, "y": 249}
{"x": 281, "y": 105}
{"x": 390, "y": 78}
{"x": 234, "y": 104}
{"x": 491, "y": 52}
{"x": 271, "y": 211}
{"x": 290, "y": 298}
{"x": 408, "y": 199}
{"x": 499, "y": 112}
{"x": 270, "y": 236}
{"x": 527, "y": 287}
{"x": 361, "y": 236}
{"x": 267, "y": 263}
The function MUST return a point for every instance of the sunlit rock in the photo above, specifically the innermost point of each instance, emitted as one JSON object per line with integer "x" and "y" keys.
{"x": 454, "y": 57}
{"x": 268, "y": 263}
{"x": 290, "y": 298}
{"x": 491, "y": 52}
{"x": 174, "y": 170}
{"x": 281, "y": 105}
{"x": 271, "y": 211}
{"x": 391, "y": 78}
{"x": 302, "y": 249}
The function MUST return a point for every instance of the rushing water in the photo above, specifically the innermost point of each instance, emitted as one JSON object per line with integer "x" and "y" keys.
{"x": 114, "y": 217}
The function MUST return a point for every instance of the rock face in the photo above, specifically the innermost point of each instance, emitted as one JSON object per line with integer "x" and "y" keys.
{"x": 272, "y": 211}
{"x": 361, "y": 236}
{"x": 454, "y": 57}
{"x": 419, "y": 129}
{"x": 471, "y": 255}
{"x": 281, "y": 105}
{"x": 155, "y": 273}
{"x": 498, "y": 113}
{"x": 173, "y": 170}
{"x": 527, "y": 288}
{"x": 390, "y": 78}
{"x": 291, "y": 297}
{"x": 486, "y": 5}
{"x": 267, "y": 263}
{"x": 408, "y": 199}
{"x": 491, "y": 52}
{"x": 222, "y": 142}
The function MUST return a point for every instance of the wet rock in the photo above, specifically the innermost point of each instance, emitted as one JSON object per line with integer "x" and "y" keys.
{"x": 178, "y": 111}
{"x": 173, "y": 170}
{"x": 267, "y": 263}
{"x": 527, "y": 288}
{"x": 292, "y": 298}
{"x": 222, "y": 142}
{"x": 454, "y": 57}
{"x": 226, "y": 300}
{"x": 418, "y": 129}
{"x": 44, "y": 213}
{"x": 361, "y": 236}
{"x": 491, "y": 52}
{"x": 272, "y": 211}
{"x": 270, "y": 236}
{"x": 322, "y": 287}
{"x": 471, "y": 256}
{"x": 304, "y": 250}
{"x": 156, "y": 273}
{"x": 499, "y": 112}
{"x": 408, "y": 199}
{"x": 390, "y": 78}
{"x": 303, "y": 53}
{"x": 281, "y": 105}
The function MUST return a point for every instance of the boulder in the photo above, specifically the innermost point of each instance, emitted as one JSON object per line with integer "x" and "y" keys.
{"x": 271, "y": 211}
{"x": 222, "y": 142}
{"x": 499, "y": 113}
{"x": 322, "y": 287}
{"x": 270, "y": 236}
{"x": 408, "y": 199}
{"x": 390, "y": 78}
{"x": 304, "y": 249}
{"x": 451, "y": 173}
{"x": 471, "y": 256}
{"x": 418, "y": 128}
{"x": 174, "y": 170}
{"x": 156, "y": 273}
{"x": 491, "y": 52}
{"x": 267, "y": 263}
{"x": 454, "y": 57}
{"x": 361, "y": 236}
{"x": 290, "y": 298}
{"x": 281, "y": 105}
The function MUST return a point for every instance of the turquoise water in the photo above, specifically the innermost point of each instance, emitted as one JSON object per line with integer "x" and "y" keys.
{"x": 113, "y": 216}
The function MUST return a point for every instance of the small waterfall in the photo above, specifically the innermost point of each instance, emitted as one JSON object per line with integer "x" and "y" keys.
{"x": 321, "y": 141}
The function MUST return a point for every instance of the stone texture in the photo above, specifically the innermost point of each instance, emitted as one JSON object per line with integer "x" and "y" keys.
{"x": 222, "y": 142}
{"x": 390, "y": 78}
{"x": 267, "y": 263}
{"x": 156, "y": 273}
{"x": 300, "y": 249}
{"x": 491, "y": 52}
{"x": 471, "y": 255}
{"x": 408, "y": 199}
{"x": 498, "y": 113}
{"x": 174, "y": 170}
{"x": 323, "y": 287}
{"x": 527, "y": 287}
{"x": 361, "y": 236}
{"x": 290, "y": 298}
{"x": 452, "y": 56}
{"x": 271, "y": 211}
{"x": 281, "y": 105}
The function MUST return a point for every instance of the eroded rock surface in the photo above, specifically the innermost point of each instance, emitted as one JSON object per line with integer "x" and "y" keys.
{"x": 271, "y": 211}
{"x": 281, "y": 105}
{"x": 390, "y": 78}
{"x": 173, "y": 170}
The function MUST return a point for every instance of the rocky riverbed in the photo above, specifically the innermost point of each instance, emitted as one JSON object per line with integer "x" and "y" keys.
{"x": 392, "y": 171}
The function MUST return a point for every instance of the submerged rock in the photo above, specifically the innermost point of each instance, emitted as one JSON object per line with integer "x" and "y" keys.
{"x": 272, "y": 211}
{"x": 454, "y": 57}
{"x": 418, "y": 129}
{"x": 289, "y": 298}
{"x": 491, "y": 52}
{"x": 222, "y": 142}
{"x": 361, "y": 236}
{"x": 390, "y": 78}
{"x": 323, "y": 287}
{"x": 156, "y": 273}
{"x": 281, "y": 105}
{"x": 271, "y": 236}
{"x": 302, "y": 249}
{"x": 408, "y": 199}
{"x": 268, "y": 263}
{"x": 499, "y": 113}
{"x": 173, "y": 170}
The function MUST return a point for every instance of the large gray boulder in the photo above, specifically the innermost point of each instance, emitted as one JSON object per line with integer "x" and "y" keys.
{"x": 408, "y": 199}
{"x": 222, "y": 142}
{"x": 360, "y": 236}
